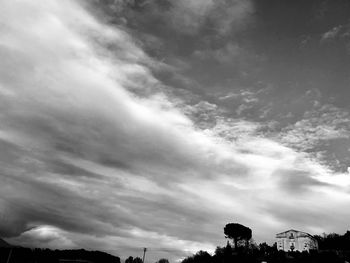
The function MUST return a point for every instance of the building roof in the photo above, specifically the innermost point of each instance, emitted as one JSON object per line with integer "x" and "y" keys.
{"x": 299, "y": 234}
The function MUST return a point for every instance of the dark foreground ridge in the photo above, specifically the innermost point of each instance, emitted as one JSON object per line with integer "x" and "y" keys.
{"x": 13, "y": 254}
{"x": 4, "y": 244}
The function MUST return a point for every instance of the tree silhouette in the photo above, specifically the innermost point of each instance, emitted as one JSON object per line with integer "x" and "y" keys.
{"x": 163, "y": 260}
{"x": 199, "y": 257}
{"x": 129, "y": 260}
{"x": 237, "y": 232}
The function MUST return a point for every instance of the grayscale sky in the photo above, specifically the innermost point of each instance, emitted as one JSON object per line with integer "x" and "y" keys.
{"x": 152, "y": 123}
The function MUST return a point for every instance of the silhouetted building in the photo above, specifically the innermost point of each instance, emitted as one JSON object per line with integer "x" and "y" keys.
{"x": 294, "y": 240}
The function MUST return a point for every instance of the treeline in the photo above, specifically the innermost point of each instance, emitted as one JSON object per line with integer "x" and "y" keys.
{"x": 333, "y": 248}
{"x": 37, "y": 255}
{"x": 265, "y": 253}
{"x": 334, "y": 241}
{"x": 139, "y": 260}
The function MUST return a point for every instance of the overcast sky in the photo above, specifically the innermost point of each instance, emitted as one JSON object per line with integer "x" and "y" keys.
{"x": 152, "y": 123}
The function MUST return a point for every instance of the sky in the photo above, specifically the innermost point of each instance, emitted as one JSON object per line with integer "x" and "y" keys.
{"x": 153, "y": 123}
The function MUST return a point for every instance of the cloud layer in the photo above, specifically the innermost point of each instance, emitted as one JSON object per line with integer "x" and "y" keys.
{"x": 96, "y": 152}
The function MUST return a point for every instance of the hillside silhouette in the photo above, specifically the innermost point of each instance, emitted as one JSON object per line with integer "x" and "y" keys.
{"x": 15, "y": 254}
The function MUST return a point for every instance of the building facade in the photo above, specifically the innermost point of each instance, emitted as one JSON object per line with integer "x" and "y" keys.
{"x": 294, "y": 240}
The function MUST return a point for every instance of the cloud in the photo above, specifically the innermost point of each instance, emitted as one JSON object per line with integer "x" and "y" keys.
{"x": 75, "y": 136}
{"x": 228, "y": 54}
{"x": 322, "y": 131}
{"x": 338, "y": 32}
{"x": 96, "y": 154}
{"x": 326, "y": 123}
{"x": 44, "y": 236}
{"x": 191, "y": 16}
{"x": 231, "y": 16}
{"x": 331, "y": 33}
{"x": 187, "y": 17}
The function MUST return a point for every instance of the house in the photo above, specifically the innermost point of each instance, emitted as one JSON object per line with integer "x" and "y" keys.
{"x": 294, "y": 240}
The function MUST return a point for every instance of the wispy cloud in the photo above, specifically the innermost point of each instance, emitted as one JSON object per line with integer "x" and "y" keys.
{"x": 317, "y": 131}
{"x": 331, "y": 33}
{"x": 221, "y": 16}
{"x": 187, "y": 17}
{"x": 338, "y": 32}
